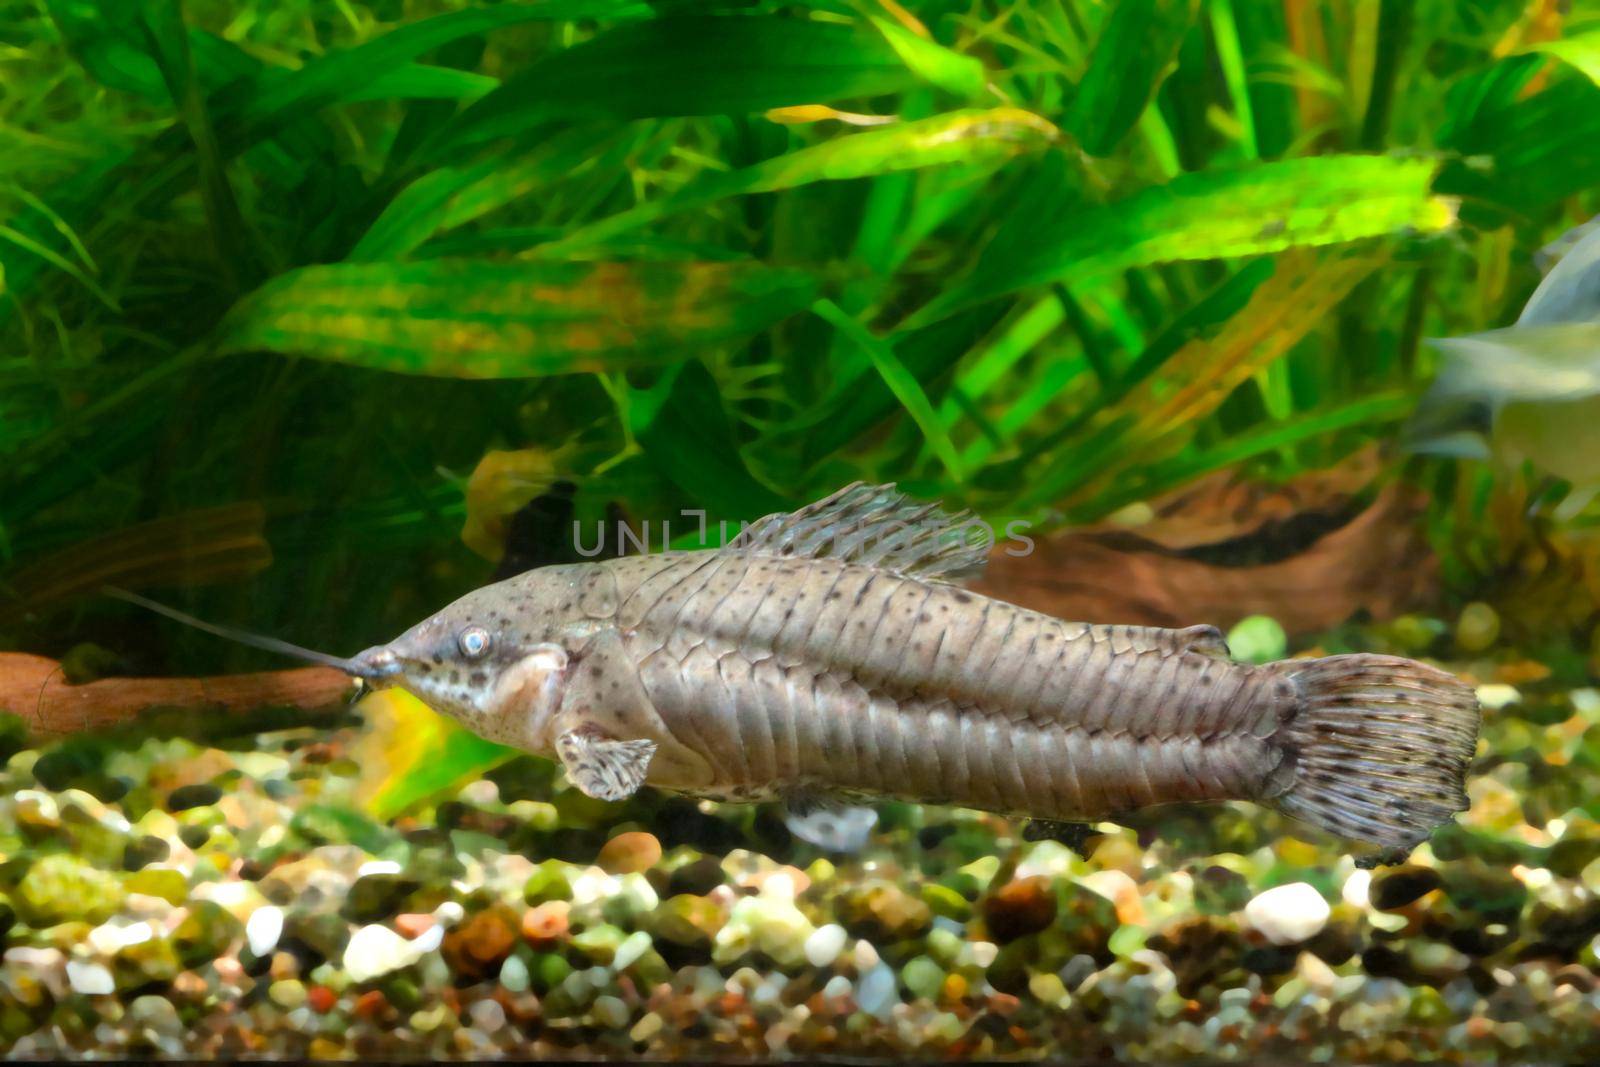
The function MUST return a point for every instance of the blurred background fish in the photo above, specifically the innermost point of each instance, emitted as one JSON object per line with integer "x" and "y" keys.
{"x": 1528, "y": 392}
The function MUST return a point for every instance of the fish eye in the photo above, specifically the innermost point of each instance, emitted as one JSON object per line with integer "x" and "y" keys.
{"x": 473, "y": 642}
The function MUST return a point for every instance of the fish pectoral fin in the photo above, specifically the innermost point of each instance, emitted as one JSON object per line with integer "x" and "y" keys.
{"x": 604, "y": 768}
{"x": 828, "y": 823}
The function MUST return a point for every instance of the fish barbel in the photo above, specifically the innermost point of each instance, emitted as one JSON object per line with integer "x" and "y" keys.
{"x": 830, "y": 652}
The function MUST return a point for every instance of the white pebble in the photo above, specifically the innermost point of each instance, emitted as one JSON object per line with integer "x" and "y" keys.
{"x": 377, "y": 950}
{"x": 633, "y": 946}
{"x": 449, "y": 913}
{"x": 1496, "y": 695}
{"x": 825, "y": 944}
{"x": 263, "y": 929}
{"x": 1288, "y": 914}
{"x": 836, "y": 987}
{"x": 90, "y": 979}
{"x": 488, "y": 1015}
{"x": 428, "y": 940}
{"x": 514, "y": 975}
{"x": 611, "y": 1012}
{"x": 865, "y": 956}
{"x": 110, "y": 938}
{"x": 983, "y": 952}
{"x": 377, "y": 867}
{"x": 1355, "y": 888}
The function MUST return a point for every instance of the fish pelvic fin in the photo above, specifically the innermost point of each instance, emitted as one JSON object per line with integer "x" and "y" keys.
{"x": 1379, "y": 747}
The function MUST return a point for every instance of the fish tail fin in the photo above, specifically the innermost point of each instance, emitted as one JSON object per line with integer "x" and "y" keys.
{"x": 1379, "y": 746}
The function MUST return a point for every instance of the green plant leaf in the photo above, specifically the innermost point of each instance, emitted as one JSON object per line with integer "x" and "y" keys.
{"x": 1138, "y": 43}
{"x": 475, "y": 319}
{"x": 933, "y": 62}
{"x": 690, "y": 65}
{"x": 976, "y": 138}
{"x": 1214, "y": 214}
{"x": 901, "y": 382}
{"x": 451, "y": 196}
{"x": 1581, "y": 51}
{"x": 409, "y": 754}
{"x": 684, "y": 428}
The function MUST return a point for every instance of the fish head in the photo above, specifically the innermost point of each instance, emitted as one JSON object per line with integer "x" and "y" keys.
{"x": 478, "y": 664}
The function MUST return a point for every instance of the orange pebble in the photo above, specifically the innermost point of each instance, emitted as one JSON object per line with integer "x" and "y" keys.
{"x": 546, "y": 923}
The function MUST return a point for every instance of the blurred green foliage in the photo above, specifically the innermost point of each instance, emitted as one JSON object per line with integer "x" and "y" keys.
{"x": 1040, "y": 257}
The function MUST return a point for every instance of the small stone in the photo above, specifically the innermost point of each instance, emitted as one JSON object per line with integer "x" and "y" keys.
{"x": 1493, "y": 696}
{"x": 1258, "y": 639}
{"x": 876, "y": 993}
{"x": 1019, "y": 908}
{"x": 321, "y": 999}
{"x": 825, "y": 944}
{"x": 89, "y": 978}
{"x": 155, "y": 1014}
{"x": 488, "y": 1016}
{"x": 61, "y": 888}
{"x": 610, "y": 1012}
{"x": 630, "y": 853}
{"x": 1288, "y": 914}
{"x": 946, "y": 902}
{"x": 263, "y": 929}
{"x": 546, "y": 924}
{"x": 924, "y": 978}
{"x": 478, "y": 945}
{"x": 1396, "y": 887}
{"x": 193, "y": 796}
{"x": 376, "y": 896}
{"x": 646, "y": 1028}
{"x": 514, "y": 975}
{"x": 144, "y": 850}
{"x": 696, "y": 878}
{"x": 164, "y": 882}
{"x": 883, "y": 912}
{"x": 287, "y": 993}
{"x": 632, "y": 948}
{"x": 413, "y": 924}
{"x": 688, "y": 921}
{"x": 374, "y": 951}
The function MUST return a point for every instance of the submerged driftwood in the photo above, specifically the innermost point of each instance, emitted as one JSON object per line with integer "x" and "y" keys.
{"x": 34, "y": 688}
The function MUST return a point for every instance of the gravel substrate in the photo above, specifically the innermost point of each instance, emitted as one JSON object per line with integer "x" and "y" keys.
{"x": 161, "y": 897}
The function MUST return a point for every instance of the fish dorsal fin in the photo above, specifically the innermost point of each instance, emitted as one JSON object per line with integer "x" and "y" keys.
{"x": 878, "y": 526}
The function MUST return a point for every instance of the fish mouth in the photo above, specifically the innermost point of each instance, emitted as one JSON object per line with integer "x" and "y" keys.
{"x": 376, "y": 664}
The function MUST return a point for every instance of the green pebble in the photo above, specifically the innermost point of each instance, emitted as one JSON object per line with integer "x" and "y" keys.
{"x": 923, "y": 977}
{"x": 599, "y": 943}
{"x": 287, "y": 993}
{"x": 1428, "y": 1007}
{"x": 944, "y": 946}
{"x": 1127, "y": 940}
{"x": 1258, "y": 639}
{"x": 549, "y": 971}
{"x": 945, "y": 901}
{"x": 164, "y": 882}
{"x": 61, "y": 888}
{"x": 547, "y": 882}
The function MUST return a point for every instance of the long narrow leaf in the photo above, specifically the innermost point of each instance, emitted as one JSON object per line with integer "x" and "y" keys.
{"x": 472, "y": 319}
{"x": 1261, "y": 207}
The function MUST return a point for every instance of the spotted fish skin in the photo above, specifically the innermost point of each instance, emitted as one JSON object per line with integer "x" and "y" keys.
{"x": 804, "y": 660}
{"x": 783, "y": 673}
